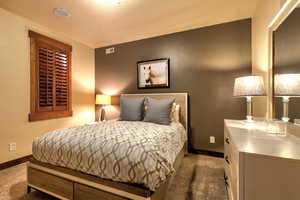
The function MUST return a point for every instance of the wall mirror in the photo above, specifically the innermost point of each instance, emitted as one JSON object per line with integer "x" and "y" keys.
{"x": 286, "y": 67}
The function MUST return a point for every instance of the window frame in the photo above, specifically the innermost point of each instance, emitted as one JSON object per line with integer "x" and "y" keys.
{"x": 36, "y": 113}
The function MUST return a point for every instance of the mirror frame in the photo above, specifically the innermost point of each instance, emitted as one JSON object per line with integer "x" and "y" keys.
{"x": 282, "y": 14}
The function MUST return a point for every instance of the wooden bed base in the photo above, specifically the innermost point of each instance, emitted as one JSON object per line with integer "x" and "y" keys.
{"x": 67, "y": 184}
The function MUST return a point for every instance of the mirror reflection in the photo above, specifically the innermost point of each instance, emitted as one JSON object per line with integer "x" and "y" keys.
{"x": 286, "y": 68}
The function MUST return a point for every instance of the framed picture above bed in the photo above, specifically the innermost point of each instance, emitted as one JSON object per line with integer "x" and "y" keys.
{"x": 153, "y": 73}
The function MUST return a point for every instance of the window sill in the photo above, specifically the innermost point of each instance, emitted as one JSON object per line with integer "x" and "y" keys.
{"x": 49, "y": 115}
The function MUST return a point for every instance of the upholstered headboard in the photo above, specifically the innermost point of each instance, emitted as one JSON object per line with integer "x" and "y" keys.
{"x": 180, "y": 98}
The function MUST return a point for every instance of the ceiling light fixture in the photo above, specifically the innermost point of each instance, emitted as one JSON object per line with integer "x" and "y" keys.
{"x": 61, "y": 12}
{"x": 110, "y": 2}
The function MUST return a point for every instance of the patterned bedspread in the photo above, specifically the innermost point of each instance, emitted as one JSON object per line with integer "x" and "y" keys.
{"x": 133, "y": 152}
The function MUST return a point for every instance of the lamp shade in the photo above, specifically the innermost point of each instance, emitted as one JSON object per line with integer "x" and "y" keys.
{"x": 249, "y": 86}
{"x": 103, "y": 99}
{"x": 287, "y": 85}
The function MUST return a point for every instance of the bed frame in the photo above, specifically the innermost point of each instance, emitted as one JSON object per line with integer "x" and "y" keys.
{"x": 68, "y": 184}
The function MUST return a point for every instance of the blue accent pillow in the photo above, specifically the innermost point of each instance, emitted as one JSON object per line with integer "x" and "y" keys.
{"x": 158, "y": 111}
{"x": 132, "y": 109}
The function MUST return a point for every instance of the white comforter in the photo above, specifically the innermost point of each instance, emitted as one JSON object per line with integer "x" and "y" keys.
{"x": 134, "y": 152}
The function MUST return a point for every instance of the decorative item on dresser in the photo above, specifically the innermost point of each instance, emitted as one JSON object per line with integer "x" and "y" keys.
{"x": 102, "y": 100}
{"x": 258, "y": 165}
{"x": 286, "y": 86}
{"x": 249, "y": 86}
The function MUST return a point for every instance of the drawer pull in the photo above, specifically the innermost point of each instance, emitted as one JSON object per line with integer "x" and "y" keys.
{"x": 226, "y": 180}
{"x": 227, "y": 160}
{"x": 227, "y": 140}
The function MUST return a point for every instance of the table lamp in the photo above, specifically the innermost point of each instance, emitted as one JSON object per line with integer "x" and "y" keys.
{"x": 103, "y": 100}
{"x": 249, "y": 86}
{"x": 286, "y": 86}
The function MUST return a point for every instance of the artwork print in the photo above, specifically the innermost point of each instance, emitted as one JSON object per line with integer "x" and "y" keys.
{"x": 153, "y": 73}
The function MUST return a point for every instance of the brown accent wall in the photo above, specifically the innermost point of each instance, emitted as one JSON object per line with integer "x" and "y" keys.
{"x": 203, "y": 62}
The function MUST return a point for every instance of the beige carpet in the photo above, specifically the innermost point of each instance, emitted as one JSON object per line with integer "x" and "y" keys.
{"x": 199, "y": 178}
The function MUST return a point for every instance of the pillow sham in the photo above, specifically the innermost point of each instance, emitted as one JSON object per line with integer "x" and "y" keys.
{"x": 158, "y": 111}
{"x": 132, "y": 109}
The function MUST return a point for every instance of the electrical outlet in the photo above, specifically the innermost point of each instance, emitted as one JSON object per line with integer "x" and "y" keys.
{"x": 212, "y": 139}
{"x": 12, "y": 146}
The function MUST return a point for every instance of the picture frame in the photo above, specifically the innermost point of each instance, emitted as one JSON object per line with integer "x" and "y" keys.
{"x": 153, "y": 73}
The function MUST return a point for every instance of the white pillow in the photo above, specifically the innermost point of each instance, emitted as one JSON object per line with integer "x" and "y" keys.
{"x": 175, "y": 113}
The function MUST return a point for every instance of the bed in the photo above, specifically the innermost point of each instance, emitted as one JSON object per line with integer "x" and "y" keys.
{"x": 99, "y": 161}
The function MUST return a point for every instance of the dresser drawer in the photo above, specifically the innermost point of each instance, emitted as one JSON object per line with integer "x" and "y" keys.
{"x": 231, "y": 164}
{"x": 232, "y": 181}
{"x": 83, "y": 192}
{"x": 59, "y": 187}
{"x": 229, "y": 149}
{"x": 228, "y": 184}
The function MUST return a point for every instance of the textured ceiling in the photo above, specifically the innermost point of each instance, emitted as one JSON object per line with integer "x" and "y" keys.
{"x": 99, "y": 23}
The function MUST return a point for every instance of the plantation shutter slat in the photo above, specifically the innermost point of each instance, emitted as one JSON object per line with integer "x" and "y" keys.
{"x": 61, "y": 77}
{"x": 46, "y": 74}
{"x": 50, "y": 77}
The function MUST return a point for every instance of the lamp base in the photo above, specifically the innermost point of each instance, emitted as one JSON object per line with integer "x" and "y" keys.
{"x": 249, "y": 109}
{"x": 285, "y": 119}
{"x": 249, "y": 118}
{"x": 285, "y": 102}
{"x": 101, "y": 114}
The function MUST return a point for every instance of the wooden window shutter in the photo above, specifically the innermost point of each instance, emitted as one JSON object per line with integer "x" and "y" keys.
{"x": 51, "y": 90}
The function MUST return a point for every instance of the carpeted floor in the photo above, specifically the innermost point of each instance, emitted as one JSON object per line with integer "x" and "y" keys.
{"x": 199, "y": 178}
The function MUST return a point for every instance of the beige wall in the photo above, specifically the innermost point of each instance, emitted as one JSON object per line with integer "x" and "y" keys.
{"x": 265, "y": 12}
{"x": 15, "y": 88}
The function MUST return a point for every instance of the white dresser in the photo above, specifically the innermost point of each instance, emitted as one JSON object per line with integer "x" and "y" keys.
{"x": 260, "y": 166}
